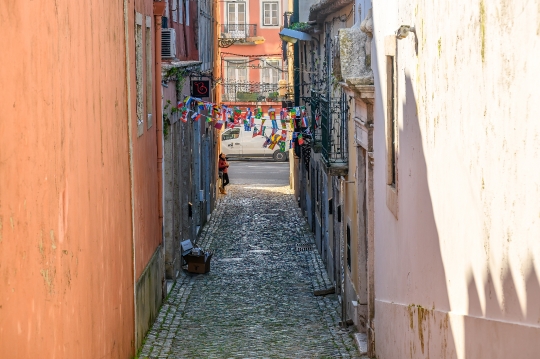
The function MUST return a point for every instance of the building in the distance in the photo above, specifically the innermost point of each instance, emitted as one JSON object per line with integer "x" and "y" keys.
{"x": 254, "y": 72}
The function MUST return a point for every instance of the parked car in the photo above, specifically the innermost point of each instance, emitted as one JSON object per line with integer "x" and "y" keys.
{"x": 238, "y": 143}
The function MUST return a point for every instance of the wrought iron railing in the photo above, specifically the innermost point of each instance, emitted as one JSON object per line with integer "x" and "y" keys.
{"x": 256, "y": 92}
{"x": 238, "y": 31}
{"x": 334, "y": 118}
{"x": 315, "y": 123}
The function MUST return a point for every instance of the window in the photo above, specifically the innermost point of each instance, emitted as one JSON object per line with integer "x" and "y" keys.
{"x": 231, "y": 134}
{"x": 139, "y": 81}
{"x": 270, "y": 13}
{"x": 149, "y": 73}
{"x": 237, "y": 70}
{"x": 174, "y": 10}
{"x": 188, "y": 15}
{"x": 236, "y": 13}
{"x": 391, "y": 120}
{"x": 349, "y": 247}
{"x": 180, "y": 5}
{"x": 391, "y": 126}
{"x": 271, "y": 71}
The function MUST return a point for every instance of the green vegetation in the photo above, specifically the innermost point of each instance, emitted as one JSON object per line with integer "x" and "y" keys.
{"x": 299, "y": 26}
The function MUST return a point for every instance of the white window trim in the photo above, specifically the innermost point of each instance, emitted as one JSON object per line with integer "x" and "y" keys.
{"x": 226, "y": 9}
{"x": 236, "y": 59}
{"x": 280, "y": 65}
{"x": 279, "y": 15}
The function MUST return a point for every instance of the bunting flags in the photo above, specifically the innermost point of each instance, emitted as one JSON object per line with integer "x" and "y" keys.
{"x": 230, "y": 117}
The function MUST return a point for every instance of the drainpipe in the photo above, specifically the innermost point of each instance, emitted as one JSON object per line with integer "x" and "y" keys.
{"x": 159, "y": 9}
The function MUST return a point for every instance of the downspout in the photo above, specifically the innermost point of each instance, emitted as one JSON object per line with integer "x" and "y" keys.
{"x": 159, "y": 9}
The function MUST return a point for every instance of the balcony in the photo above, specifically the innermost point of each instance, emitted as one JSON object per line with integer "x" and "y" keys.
{"x": 256, "y": 92}
{"x": 315, "y": 123}
{"x": 239, "y": 34}
{"x": 334, "y": 134}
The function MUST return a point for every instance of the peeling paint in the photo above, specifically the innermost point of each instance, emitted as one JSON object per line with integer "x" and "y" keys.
{"x": 48, "y": 277}
{"x": 40, "y": 244}
{"x": 53, "y": 244}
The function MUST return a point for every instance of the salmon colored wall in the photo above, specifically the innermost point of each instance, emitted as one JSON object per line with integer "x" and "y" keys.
{"x": 186, "y": 49}
{"x": 147, "y": 226}
{"x": 271, "y": 45}
{"x": 66, "y": 274}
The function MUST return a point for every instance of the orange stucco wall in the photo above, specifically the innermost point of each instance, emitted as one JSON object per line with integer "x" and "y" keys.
{"x": 66, "y": 270}
{"x": 147, "y": 225}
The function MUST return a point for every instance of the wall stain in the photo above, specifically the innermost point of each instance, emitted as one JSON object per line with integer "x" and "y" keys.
{"x": 483, "y": 30}
{"x": 48, "y": 277}
{"x": 411, "y": 315}
{"x": 538, "y": 20}
{"x": 53, "y": 244}
{"x": 422, "y": 314}
{"x": 40, "y": 245}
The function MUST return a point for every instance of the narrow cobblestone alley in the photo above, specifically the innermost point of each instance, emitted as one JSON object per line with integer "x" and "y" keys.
{"x": 257, "y": 301}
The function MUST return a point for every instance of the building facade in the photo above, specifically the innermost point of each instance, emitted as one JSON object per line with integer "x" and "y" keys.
{"x": 191, "y": 147}
{"x": 80, "y": 203}
{"x": 253, "y": 70}
{"x": 456, "y": 191}
{"x": 428, "y": 249}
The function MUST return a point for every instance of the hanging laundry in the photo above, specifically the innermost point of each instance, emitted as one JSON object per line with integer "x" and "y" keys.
{"x": 282, "y": 146}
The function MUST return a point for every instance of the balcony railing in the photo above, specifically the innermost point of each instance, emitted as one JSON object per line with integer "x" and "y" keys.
{"x": 238, "y": 31}
{"x": 256, "y": 92}
{"x": 315, "y": 123}
{"x": 334, "y": 118}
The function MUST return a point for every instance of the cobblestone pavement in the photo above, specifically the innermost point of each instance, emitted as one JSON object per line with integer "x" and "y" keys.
{"x": 257, "y": 301}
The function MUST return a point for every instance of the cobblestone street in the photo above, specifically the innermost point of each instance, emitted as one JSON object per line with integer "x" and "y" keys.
{"x": 257, "y": 301}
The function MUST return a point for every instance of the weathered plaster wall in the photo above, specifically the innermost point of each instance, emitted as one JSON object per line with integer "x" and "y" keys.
{"x": 66, "y": 270}
{"x": 465, "y": 245}
{"x": 147, "y": 225}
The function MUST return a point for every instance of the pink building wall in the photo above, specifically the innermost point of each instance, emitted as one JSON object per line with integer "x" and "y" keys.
{"x": 456, "y": 246}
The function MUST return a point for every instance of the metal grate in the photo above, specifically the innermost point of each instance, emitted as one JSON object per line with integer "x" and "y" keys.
{"x": 304, "y": 247}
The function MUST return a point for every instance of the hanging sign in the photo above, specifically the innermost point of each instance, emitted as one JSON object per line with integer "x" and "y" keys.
{"x": 200, "y": 88}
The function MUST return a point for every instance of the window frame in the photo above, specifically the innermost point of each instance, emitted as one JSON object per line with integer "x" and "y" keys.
{"x": 270, "y": 69}
{"x": 263, "y": 3}
{"x": 226, "y": 12}
{"x": 392, "y": 124}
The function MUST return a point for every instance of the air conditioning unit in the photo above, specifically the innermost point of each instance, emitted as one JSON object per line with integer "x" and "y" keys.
{"x": 168, "y": 43}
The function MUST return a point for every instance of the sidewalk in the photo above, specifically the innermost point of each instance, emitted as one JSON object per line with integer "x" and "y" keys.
{"x": 257, "y": 301}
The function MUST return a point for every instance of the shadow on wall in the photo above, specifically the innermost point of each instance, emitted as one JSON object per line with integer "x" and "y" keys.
{"x": 491, "y": 330}
{"x": 508, "y": 328}
{"x": 430, "y": 332}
